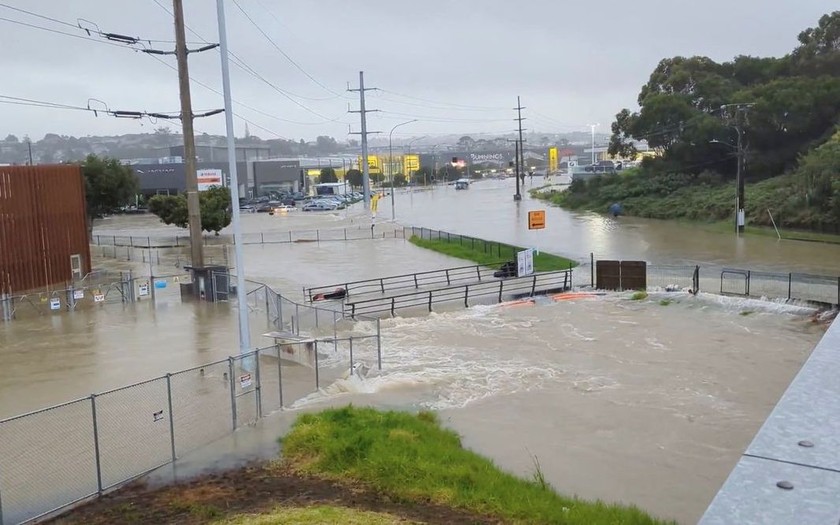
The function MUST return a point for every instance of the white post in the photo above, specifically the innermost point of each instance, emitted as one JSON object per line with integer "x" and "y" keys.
{"x": 244, "y": 328}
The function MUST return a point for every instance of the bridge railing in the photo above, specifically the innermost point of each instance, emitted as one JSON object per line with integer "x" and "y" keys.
{"x": 495, "y": 291}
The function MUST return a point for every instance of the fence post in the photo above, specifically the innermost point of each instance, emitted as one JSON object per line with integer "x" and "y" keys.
{"x": 466, "y": 296}
{"x": 318, "y": 236}
{"x": 430, "y": 301}
{"x": 335, "y": 331}
{"x": 171, "y": 415}
{"x": 415, "y": 282}
{"x": 258, "y": 387}
{"x": 393, "y": 305}
{"x": 232, "y": 392}
{"x": 378, "y": 345}
{"x": 592, "y": 269}
{"x": 351, "y": 353}
{"x": 478, "y": 271}
{"x": 382, "y": 285}
{"x": 290, "y": 237}
{"x": 501, "y": 286}
{"x": 534, "y": 286}
{"x": 279, "y": 371}
{"x": 790, "y": 284}
{"x": 297, "y": 316}
{"x": 317, "y": 372}
{"x": 345, "y": 234}
{"x": 96, "y": 444}
{"x": 316, "y": 318}
{"x": 5, "y": 313}
{"x": 447, "y": 277}
{"x": 838, "y": 291}
{"x": 279, "y": 312}
{"x": 748, "y": 281}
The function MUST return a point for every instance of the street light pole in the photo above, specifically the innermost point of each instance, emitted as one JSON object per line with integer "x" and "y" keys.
{"x": 391, "y": 164}
{"x": 592, "y": 127}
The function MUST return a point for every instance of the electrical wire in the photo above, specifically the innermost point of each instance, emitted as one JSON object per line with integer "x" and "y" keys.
{"x": 465, "y": 106}
{"x": 56, "y": 31}
{"x": 285, "y": 55}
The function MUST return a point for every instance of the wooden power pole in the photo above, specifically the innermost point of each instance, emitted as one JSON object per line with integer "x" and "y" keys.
{"x": 193, "y": 207}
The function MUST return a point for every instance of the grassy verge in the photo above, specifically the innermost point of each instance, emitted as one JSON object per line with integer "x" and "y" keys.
{"x": 315, "y": 514}
{"x": 411, "y": 458}
{"x": 490, "y": 253}
{"x": 705, "y": 199}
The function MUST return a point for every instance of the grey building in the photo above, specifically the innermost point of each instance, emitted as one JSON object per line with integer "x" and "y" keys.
{"x": 255, "y": 177}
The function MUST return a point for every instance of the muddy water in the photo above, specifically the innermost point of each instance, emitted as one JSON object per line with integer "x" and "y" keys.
{"x": 629, "y": 401}
{"x": 487, "y": 210}
{"x": 616, "y": 399}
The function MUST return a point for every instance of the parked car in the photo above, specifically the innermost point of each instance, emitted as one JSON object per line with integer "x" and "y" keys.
{"x": 320, "y": 206}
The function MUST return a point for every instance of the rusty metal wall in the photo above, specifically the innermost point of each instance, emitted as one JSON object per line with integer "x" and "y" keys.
{"x": 43, "y": 222}
{"x": 621, "y": 275}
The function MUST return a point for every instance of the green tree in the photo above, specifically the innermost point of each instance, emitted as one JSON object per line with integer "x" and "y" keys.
{"x": 109, "y": 185}
{"x": 399, "y": 180}
{"x": 215, "y": 209}
{"x": 355, "y": 178}
{"x": 327, "y": 175}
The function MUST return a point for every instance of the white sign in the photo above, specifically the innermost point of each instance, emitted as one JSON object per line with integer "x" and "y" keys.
{"x": 98, "y": 297}
{"x": 144, "y": 289}
{"x": 207, "y": 178}
{"x": 245, "y": 380}
{"x": 524, "y": 263}
{"x": 78, "y": 294}
{"x": 55, "y": 303}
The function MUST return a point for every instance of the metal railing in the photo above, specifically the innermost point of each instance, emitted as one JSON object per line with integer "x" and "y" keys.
{"x": 409, "y": 281}
{"x": 53, "y": 458}
{"x": 497, "y": 291}
{"x": 821, "y": 289}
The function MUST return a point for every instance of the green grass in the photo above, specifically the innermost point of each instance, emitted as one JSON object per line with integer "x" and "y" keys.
{"x": 665, "y": 302}
{"x": 544, "y": 262}
{"x": 314, "y": 515}
{"x": 410, "y": 458}
{"x": 638, "y": 296}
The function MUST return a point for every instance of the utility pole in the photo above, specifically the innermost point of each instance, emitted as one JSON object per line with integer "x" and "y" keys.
{"x": 737, "y": 121}
{"x": 29, "y": 143}
{"x": 592, "y": 128}
{"x": 520, "y": 149}
{"x": 364, "y": 133}
{"x": 193, "y": 208}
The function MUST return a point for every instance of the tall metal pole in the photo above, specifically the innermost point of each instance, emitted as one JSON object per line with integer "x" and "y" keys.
{"x": 391, "y": 162}
{"x": 193, "y": 208}
{"x": 739, "y": 182}
{"x": 592, "y": 128}
{"x": 29, "y": 143}
{"x": 241, "y": 292}
{"x": 520, "y": 150}
{"x": 365, "y": 167}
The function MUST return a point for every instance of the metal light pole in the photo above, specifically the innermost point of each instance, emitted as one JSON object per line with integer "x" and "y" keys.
{"x": 391, "y": 163}
{"x": 592, "y": 127}
{"x": 241, "y": 292}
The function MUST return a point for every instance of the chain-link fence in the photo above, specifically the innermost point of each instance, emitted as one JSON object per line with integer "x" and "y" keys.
{"x": 58, "y": 456}
{"x": 360, "y": 232}
{"x": 64, "y": 454}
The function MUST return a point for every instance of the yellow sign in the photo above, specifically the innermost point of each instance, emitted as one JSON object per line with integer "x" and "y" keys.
{"x": 552, "y": 159}
{"x": 374, "y": 204}
{"x": 410, "y": 163}
{"x": 374, "y": 166}
{"x": 536, "y": 220}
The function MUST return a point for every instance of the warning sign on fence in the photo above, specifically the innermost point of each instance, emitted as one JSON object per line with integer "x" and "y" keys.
{"x": 98, "y": 297}
{"x": 78, "y": 294}
{"x": 245, "y": 380}
{"x": 55, "y": 303}
{"x": 144, "y": 289}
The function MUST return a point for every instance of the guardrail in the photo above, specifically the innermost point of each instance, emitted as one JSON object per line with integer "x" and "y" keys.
{"x": 513, "y": 287}
{"x": 417, "y": 280}
{"x": 822, "y": 289}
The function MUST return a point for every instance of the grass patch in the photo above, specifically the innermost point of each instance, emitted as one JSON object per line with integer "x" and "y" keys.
{"x": 638, "y": 296}
{"x": 665, "y": 302}
{"x": 489, "y": 253}
{"x": 314, "y": 515}
{"x": 746, "y": 313}
{"x": 411, "y": 458}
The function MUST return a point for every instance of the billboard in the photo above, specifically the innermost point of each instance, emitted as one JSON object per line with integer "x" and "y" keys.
{"x": 374, "y": 166}
{"x": 410, "y": 163}
{"x": 207, "y": 178}
{"x": 553, "y": 165}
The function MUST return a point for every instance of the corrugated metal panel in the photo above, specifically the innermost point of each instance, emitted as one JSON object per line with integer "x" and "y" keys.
{"x": 42, "y": 223}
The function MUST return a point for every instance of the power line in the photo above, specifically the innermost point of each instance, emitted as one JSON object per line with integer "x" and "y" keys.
{"x": 274, "y": 44}
{"x": 7, "y": 99}
{"x": 56, "y": 31}
{"x": 441, "y": 119}
{"x": 241, "y": 64}
{"x": 466, "y": 106}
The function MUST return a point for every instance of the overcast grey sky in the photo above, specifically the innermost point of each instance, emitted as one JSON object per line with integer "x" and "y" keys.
{"x": 573, "y": 63}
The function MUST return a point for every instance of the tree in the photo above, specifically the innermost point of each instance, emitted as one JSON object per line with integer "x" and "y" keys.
{"x": 109, "y": 185}
{"x": 327, "y": 175}
{"x": 399, "y": 180}
{"x": 355, "y": 178}
{"x": 215, "y": 209}
{"x": 12, "y": 138}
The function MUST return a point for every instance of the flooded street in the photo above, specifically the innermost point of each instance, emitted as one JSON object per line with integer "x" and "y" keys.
{"x": 647, "y": 402}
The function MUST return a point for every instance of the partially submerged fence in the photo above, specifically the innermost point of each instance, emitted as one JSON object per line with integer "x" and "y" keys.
{"x": 59, "y": 456}
{"x": 278, "y": 237}
{"x": 492, "y": 291}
